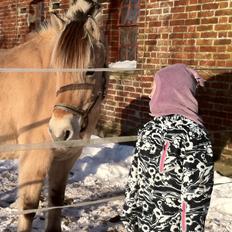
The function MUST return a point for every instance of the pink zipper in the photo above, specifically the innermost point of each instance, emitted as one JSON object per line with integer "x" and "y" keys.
{"x": 183, "y": 216}
{"x": 163, "y": 157}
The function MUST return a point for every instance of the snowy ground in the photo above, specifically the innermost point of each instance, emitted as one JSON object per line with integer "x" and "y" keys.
{"x": 102, "y": 172}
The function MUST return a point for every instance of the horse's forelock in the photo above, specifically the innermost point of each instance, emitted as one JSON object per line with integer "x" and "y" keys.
{"x": 73, "y": 46}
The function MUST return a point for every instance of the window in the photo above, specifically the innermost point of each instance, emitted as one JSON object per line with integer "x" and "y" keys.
{"x": 128, "y": 27}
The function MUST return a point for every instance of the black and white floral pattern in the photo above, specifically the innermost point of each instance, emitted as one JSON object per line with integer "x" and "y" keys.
{"x": 171, "y": 177}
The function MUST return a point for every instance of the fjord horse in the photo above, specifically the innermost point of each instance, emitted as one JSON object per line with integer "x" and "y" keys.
{"x": 39, "y": 107}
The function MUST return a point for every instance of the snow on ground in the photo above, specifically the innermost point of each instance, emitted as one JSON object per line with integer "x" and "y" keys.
{"x": 102, "y": 172}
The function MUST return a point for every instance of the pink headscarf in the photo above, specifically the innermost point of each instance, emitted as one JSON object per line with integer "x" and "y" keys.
{"x": 175, "y": 91}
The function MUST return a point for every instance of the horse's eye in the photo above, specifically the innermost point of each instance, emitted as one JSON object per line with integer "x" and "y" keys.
{"x": 90, "y": 73}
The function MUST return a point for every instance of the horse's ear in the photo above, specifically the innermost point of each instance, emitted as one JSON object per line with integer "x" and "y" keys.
{"x": 92, "y": 28}
{"x": 99, "y": 19}
{"x": 57, "y": 22}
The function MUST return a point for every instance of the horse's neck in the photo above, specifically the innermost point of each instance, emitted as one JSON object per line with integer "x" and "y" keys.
{"x": 35, "y": 53}
{"x": 44, "y": 48}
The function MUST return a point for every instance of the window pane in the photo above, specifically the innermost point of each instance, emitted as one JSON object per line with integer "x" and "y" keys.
{"x": 123, "y": 16}
{"x": 129, "y": 12}
{"x": 123, "y": 37}
{"x": 123, "y": 54}
{"x": 131, "y": 53}
{"x": 133, "y": 15}
{"x": 128, "y": 43}
{"x": 133, "y": 36}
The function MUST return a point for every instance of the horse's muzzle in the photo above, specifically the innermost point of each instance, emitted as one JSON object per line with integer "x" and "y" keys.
{"x": 64, "y": 128}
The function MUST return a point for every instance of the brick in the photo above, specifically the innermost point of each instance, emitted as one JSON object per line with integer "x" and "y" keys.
{"x": 228, "y": 64}
{"x": 164, "y": 36}
{"x": 209, "y": 20}
{"x": 180, "y": 28}
{"x": 224, "y": 4}
{"x": 193, "y": 8}
{"x": 179, "y": 16}
{"x": 203, "y": 56}
{"x": 192, "y": 35}
{"x": 177, "y": 22}
{"x": 155, "y": 11}
{"x": 176, "y": 36}
{"x": 134, "y": 95}
{"x": 222, "y": 41}
{"x": 183, "y": 56}
{"x": 178, "y": 9}
{"x": 223, "y": 27}
{"x": 205, "y": 28}
{"x": 153, "y": 36}
{"x": 183, "y": 42}
{"x": 193, "y": 2}
{"x": 223, "y": 12}
{"x": 129, "y": 89}
{"x": 221, "y": 56}
{"x": 204, "y": 42}
{"x": 209, "y": 63}
{"x": 223, "y": 34}
{"x": 211, "y": 49}
{"x": 210, "y": 6}
{"x": 118, "y": 98}
{"x": 206, "y": 14}
{"x": 154, "y": 24}
{"x": 209, "y": 34}
{"x": 192, "y": 22}
{"x": 181, "y": 3}
{"x": 220, "y": 63}
{"x": 223, "y": 20}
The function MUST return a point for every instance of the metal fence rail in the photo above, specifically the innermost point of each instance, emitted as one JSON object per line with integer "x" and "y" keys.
{"x": 65, "y": 144}
{"x": 76, "y": 143}
{"x": 51, "y": 70}
{"x": 80, "y": 204}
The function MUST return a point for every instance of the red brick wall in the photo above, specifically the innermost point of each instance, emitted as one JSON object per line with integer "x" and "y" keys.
{"x": 14, "y": 25}
{"x": 195, "y": 32}
{"x": 111, "y": 32}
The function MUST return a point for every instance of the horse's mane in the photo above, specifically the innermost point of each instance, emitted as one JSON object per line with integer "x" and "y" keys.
{"x": 74, "y": 44}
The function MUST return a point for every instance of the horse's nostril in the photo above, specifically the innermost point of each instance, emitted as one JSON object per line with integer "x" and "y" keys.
{"x": 67, "y": 134}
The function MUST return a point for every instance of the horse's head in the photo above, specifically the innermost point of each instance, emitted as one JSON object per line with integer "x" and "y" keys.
{"x": 79, "y": 93}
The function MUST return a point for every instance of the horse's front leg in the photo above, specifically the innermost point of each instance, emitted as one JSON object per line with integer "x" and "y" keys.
{"x": 58, "y": 175}
{"x": 33, "y": 167}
